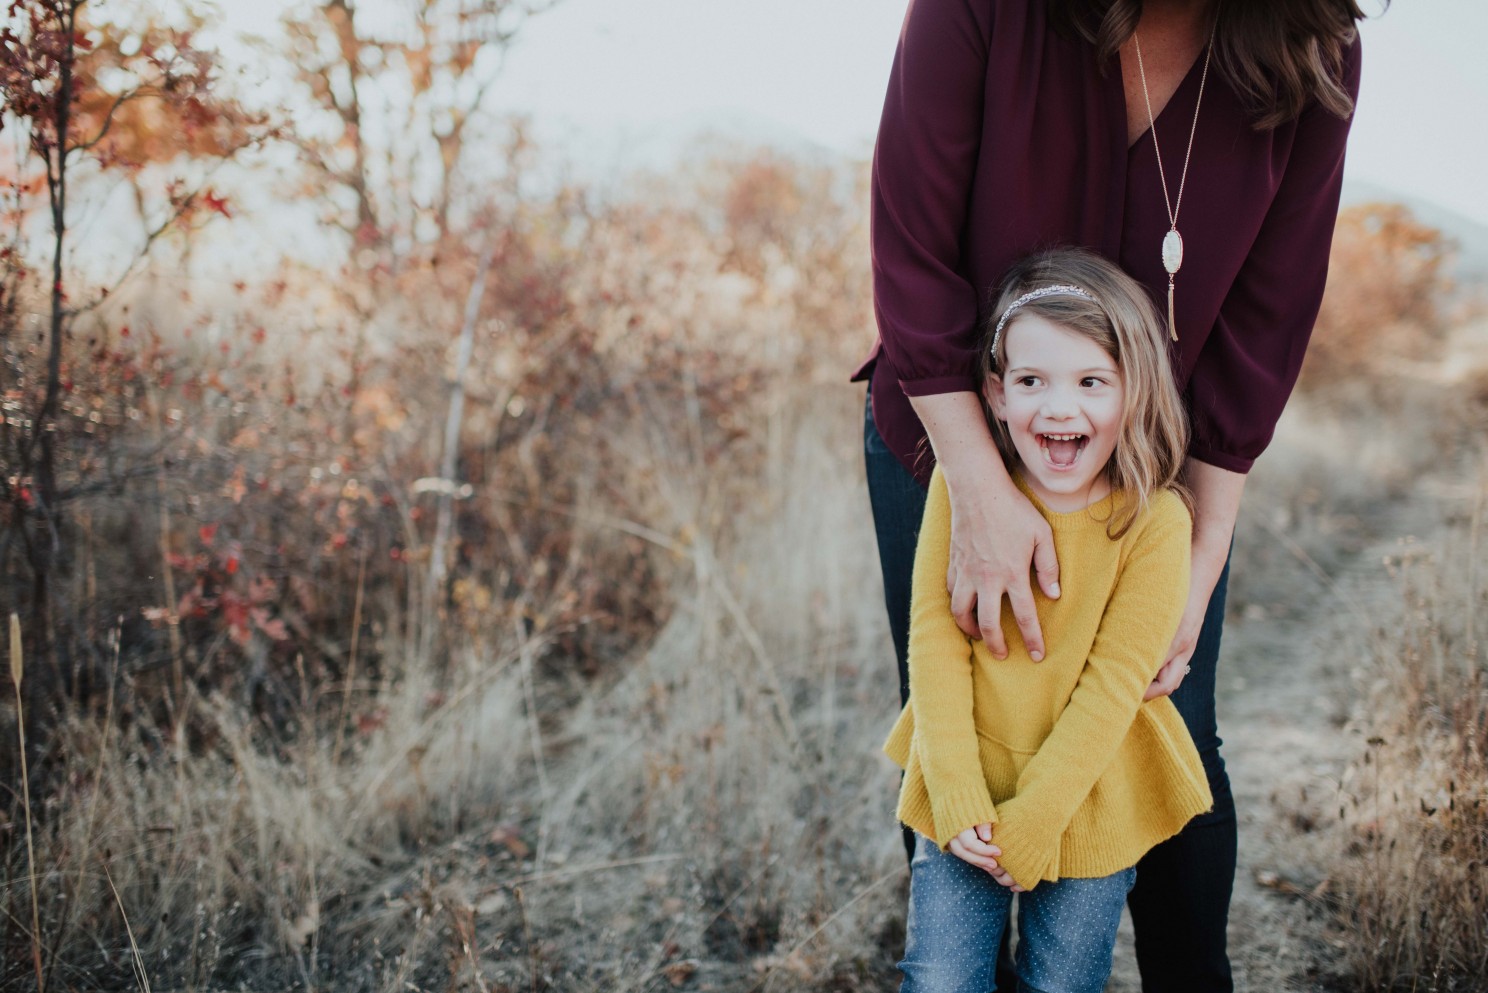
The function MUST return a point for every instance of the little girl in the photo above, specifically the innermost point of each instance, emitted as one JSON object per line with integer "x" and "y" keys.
{"x": 1053, "y": 777}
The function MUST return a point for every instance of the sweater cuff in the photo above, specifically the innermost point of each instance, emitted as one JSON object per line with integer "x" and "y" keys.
{"x": 898, "y": 744}
{"x": 960, "y": 809}
{"x": 939, "y": 384}
{"x": 1029, "y": 843}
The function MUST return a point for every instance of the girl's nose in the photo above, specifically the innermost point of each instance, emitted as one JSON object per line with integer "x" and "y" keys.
{"x": 1059, "y": 404}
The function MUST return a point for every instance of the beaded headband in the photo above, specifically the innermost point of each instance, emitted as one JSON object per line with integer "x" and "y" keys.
{"x": 1058, "y": 289}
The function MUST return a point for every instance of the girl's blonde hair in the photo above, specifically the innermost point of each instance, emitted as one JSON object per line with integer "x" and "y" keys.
{"x": 1123, "y": 321}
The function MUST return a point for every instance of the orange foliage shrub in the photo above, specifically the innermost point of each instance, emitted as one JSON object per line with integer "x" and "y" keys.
{"x": 622, "y": 349}
{"x": 1386, "y": 280}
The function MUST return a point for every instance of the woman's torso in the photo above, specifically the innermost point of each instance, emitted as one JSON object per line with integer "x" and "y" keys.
{"x": 1054, "y": 167}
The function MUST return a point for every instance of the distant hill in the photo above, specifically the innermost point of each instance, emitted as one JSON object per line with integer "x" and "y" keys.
{"x": 605, "y": 158}
{"x": 608, "y": 158}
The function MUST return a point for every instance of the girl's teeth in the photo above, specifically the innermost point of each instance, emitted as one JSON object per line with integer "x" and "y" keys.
{"x": 1069, "y": 448}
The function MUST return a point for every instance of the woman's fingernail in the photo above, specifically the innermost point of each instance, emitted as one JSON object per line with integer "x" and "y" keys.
{"x": 1054, "y": 591}
{"x": 1036, "y": 655}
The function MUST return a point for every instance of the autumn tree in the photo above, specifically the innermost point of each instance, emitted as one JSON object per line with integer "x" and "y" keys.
{"x": 394, "y": 94}
{"x": 95, "y": 101}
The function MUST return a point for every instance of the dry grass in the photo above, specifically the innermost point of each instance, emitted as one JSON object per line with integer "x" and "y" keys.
{"x": 1388, "y": 301}
{"x": 1411, "y": 876}
{"x": 17, "y": 672}
{"x": 720, "y": 801}
{"x": 232, "y": 860}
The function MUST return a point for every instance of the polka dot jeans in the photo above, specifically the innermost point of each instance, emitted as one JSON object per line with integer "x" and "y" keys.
{"x": 957, "y": 913}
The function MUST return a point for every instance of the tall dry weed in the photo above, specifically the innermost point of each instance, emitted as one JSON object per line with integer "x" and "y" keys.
{"x": 233, "y": 865}
{"x": 727, "y": 781}
{"x": 1410, "y": 875}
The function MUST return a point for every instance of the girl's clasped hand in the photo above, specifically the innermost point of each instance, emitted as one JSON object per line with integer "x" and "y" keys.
{"x": 974, "y": 846}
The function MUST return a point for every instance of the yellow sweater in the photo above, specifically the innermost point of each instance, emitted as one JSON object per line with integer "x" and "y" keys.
{"x": 1078, "y": 776}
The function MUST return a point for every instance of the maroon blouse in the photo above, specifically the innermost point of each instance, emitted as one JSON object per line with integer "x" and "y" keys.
{"x": 1001, "y": 135}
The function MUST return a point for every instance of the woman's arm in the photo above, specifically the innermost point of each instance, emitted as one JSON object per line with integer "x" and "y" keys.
{"x": 1245, "y": 372}
{"x": 1216, "y": 495}
{"x": 995, "y": 532}
{"x": 923, "y": 164}
{"x": 1250, "y": 363}
{"x": 928, "y": 141}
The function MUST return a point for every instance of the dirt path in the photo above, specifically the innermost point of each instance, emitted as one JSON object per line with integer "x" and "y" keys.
{"x": 1284, "y": 698}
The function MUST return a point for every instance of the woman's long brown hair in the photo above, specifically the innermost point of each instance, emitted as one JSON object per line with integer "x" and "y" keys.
{"x": 1278, "y": 55}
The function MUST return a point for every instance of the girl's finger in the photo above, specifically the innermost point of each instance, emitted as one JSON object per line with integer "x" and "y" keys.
{"x": 983, "y": 848}
{"x": 981, "y": 862}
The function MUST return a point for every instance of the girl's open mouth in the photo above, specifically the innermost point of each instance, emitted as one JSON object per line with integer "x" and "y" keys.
{"x": 1062, "y": 450}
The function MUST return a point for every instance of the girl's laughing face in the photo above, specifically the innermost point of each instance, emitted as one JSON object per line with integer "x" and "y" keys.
{"x": 1061, "y": 398}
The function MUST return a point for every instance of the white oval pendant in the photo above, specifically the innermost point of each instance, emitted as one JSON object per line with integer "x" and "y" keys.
{"x": 1172, "y": 251}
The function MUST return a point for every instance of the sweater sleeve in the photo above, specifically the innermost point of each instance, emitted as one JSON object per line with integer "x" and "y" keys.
{"x": 940, "y": 678}
{"x": 1251, "y": 360}
{"x": 1136, "y": 631}
{"x": 923, "y": 162}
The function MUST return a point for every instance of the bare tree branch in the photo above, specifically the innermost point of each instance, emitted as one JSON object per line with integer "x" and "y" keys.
{"x": 108, "y": 118}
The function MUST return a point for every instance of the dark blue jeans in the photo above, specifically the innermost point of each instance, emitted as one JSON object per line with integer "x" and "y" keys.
{"x": 1181, "y": 902}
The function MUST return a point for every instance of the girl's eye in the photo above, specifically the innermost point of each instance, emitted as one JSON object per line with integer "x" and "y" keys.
{"x": 1027, "y": 380}
{"x": 1090, "y": 382}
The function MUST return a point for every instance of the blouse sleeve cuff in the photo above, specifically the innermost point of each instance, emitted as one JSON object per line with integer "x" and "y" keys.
{"x": 1219, "y": 459}
{"x": 939, "y": 384}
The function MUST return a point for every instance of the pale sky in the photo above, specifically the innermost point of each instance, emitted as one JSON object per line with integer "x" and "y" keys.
{"x": 613, "y": 83}
{"x": 635, "y": 73}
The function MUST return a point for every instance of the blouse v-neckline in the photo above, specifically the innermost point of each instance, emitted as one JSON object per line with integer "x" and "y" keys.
{"x": 1126, "y": 159}
{"x": 1184, "y": 84}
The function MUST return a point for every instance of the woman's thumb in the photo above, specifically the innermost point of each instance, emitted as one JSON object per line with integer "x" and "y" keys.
{"x": 984, "y": 831}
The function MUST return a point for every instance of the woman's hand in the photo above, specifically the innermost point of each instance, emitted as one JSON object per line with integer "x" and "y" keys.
{"x": 1170, "y": 676}
{"x": 995, "y": 532}
{"x": 1216, "y": 494}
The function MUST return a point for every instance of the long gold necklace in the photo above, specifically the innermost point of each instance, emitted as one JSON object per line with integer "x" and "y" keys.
{"x": 1172, "y": 246}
